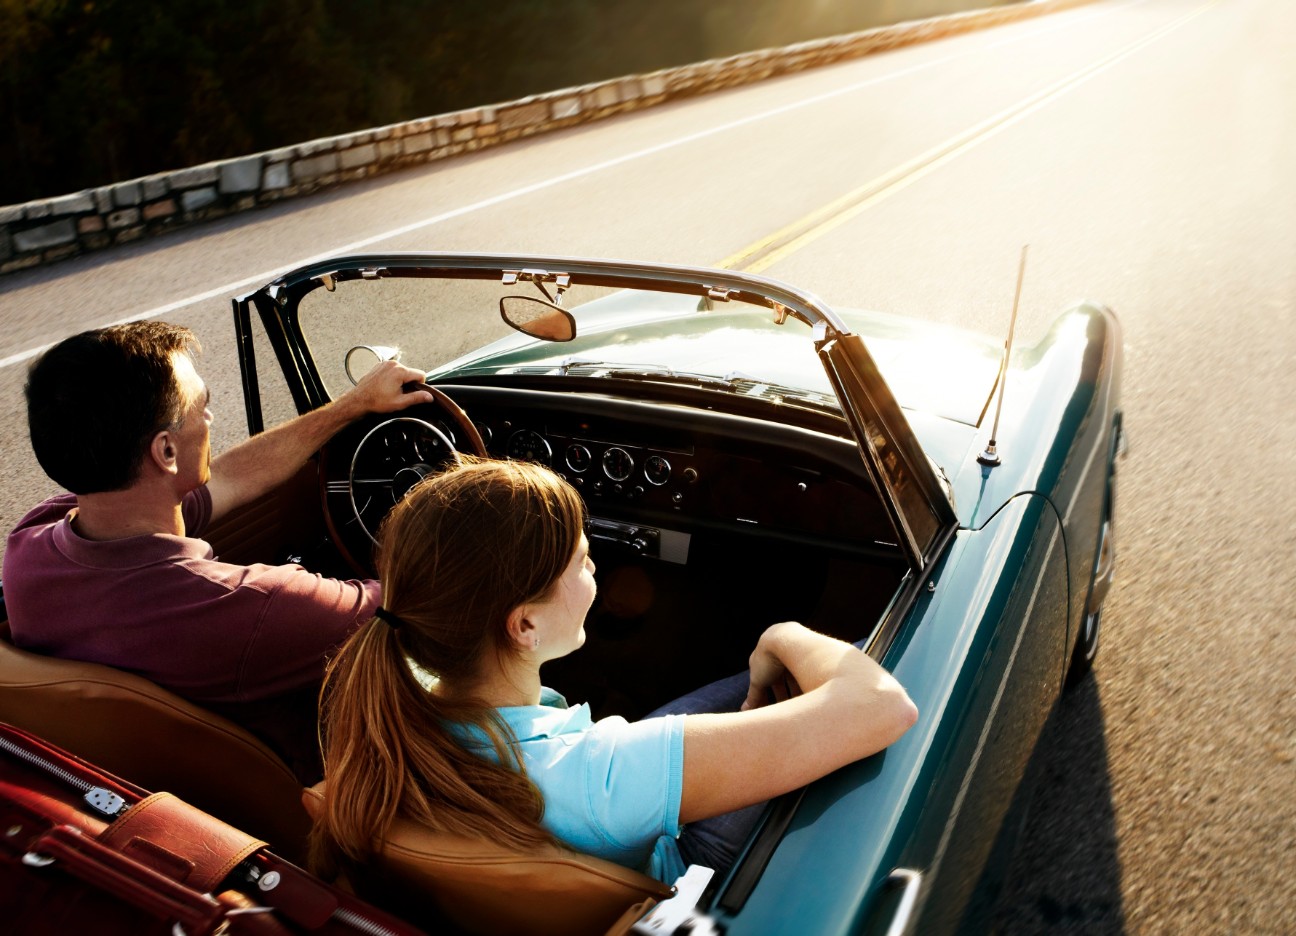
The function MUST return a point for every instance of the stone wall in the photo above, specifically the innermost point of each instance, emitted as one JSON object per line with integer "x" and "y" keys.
{"x": 52, "y": 229}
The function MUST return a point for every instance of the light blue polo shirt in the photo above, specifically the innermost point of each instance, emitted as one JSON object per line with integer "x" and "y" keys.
{"x": 611, "y": 788}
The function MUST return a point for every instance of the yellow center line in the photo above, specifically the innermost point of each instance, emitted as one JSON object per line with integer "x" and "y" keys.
{"x": 767, "y": 251}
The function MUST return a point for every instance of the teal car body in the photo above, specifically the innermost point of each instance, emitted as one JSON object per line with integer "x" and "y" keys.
{"x": 978, "y": 585}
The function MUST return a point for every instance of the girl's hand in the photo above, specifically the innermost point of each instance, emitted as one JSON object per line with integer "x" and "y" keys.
{"x": 769, "y": 675}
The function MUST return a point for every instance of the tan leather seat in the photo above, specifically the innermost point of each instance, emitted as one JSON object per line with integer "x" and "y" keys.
{"x": 145, "y": 734}
{"x": 430, "y": 878}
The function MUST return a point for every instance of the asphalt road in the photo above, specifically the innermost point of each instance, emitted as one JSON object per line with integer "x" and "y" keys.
{"x": 1145, "y": 151}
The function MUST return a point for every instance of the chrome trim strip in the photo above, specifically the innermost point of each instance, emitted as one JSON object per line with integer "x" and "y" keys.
{"x": 911, "y": 881}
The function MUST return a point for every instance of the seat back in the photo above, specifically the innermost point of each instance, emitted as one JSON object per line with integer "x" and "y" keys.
{"x": 131, "y": 727}
{"x": 489, "y": 889}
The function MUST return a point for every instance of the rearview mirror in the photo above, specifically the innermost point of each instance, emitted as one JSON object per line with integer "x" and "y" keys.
{"x": 538, "y": 318}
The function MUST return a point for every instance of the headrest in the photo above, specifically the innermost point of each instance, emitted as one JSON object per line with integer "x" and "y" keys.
{"x": 132, "y": 727}
{"x": 487, "y": 888}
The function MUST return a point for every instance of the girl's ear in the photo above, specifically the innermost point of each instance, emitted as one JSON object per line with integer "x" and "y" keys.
{"x": 520, "y": 629}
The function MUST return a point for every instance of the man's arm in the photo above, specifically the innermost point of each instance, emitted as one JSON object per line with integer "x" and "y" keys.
{"x": 265, "y": 461}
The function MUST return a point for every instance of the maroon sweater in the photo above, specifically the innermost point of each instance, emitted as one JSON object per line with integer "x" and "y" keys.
{"x": 165, "y": 607}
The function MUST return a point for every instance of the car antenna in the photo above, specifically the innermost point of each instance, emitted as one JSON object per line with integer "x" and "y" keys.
{"x": 990, "y": 457}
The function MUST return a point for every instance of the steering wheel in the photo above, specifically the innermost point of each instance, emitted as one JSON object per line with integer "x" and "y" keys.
{"x": 369, "y": 466}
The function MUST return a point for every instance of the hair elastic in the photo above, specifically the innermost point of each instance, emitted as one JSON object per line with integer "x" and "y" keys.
{"x": 391, "y": 620}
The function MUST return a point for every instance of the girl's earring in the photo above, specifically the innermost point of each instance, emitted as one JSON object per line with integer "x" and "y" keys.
{"x": 536, "y": 645}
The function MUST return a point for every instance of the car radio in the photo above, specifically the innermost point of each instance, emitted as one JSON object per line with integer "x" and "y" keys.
{"x": 649, "y": 542}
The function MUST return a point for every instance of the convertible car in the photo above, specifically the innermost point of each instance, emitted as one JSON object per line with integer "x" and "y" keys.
{"x": 747, "y": 454}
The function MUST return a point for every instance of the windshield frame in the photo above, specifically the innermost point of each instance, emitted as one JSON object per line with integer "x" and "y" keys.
{"x": 870, "y": 410}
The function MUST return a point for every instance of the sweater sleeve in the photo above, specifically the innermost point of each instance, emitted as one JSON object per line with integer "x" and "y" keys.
{"x": 305, "y": 618}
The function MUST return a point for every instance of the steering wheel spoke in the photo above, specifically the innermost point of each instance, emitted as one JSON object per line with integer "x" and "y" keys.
{"x": 362, "y": 480}
{"x": 410, "y": 447}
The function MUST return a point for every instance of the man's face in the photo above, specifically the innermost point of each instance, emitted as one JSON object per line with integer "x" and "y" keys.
{"x": 193, "y": 437}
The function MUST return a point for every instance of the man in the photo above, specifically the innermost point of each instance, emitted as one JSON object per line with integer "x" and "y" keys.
{"x": 116, "y": 573}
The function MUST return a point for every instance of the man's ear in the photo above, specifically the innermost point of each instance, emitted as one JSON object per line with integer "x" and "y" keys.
{"x": 520, "y": 629}
{"x": 162, "y": 451}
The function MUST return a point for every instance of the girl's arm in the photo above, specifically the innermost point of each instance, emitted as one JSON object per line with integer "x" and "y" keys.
{"x": 836, "y": 705}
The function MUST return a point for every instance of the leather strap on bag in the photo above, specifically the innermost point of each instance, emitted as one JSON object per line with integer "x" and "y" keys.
{"x": 129, "y": 881}
{"x": 184, "y": 843}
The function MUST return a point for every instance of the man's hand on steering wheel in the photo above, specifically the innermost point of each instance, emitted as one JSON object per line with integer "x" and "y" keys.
{"x": 367, "y": 467}
{"x": 385, "y": 389}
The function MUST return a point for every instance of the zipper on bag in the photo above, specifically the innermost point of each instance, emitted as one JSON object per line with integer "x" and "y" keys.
{"x": 101, "y": 800}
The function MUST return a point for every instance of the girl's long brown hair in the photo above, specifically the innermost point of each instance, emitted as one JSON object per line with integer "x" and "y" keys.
{"x": 458, "y": 554}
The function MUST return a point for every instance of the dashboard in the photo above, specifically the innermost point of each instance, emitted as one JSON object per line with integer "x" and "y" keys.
{"x": 664, "y": 468}
{"x": 660, "y": 479}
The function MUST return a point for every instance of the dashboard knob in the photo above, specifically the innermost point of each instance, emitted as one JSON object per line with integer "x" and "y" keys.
{"x": 691, "y": 475}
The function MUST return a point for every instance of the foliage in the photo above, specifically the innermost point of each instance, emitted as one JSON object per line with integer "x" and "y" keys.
{"x": 97, "y": 91}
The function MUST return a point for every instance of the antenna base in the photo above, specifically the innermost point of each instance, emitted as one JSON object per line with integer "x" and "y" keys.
{"x": 989, "y": 457}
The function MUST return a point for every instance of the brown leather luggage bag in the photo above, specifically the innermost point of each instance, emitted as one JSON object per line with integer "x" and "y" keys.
{"x": 82, "y": 851}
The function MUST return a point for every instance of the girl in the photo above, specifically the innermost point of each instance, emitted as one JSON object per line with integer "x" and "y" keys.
{"x": 486, "y": 576}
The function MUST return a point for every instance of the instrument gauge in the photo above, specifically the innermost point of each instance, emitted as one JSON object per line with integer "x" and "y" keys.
{"x": 617, "y": 463}
{"x": 579, "y": 458}
{"x": 529, "y": 445}
{"x": 657, "y": 470}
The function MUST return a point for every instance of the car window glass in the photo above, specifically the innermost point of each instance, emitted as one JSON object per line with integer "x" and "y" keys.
{"x": 428, "y": 321}
{"x": 276, "y": 399}
{"x": 434, "y": 322}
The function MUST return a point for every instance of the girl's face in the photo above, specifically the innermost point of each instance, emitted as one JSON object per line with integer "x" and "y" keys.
{"x": 560, "y": 620}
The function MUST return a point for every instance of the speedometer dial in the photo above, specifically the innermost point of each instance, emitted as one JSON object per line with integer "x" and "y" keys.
{"x": 529, "y": 445}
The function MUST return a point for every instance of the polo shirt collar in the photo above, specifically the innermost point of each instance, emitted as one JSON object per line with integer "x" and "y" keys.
{"x": 132, "y": 552}
{"x": 550, "y": 719}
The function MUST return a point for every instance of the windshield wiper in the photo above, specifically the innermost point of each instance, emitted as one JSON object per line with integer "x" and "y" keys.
{"x": 734, "y": 382}
{"x": 796, "y": 396}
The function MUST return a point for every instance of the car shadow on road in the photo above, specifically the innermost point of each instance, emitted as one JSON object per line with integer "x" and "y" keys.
{"x": 1065, "y": 875}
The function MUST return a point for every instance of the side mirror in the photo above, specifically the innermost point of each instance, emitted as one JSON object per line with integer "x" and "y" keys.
{"x": 361, "y": 359}
{"x": 538, "y": 318}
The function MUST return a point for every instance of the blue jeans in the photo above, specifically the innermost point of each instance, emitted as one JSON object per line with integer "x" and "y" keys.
{"x": 715, "y": 842}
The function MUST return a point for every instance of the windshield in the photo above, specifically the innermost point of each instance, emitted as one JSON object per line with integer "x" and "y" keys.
{"x": 767, "y": 349}
{"x": 445, "y": 325}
